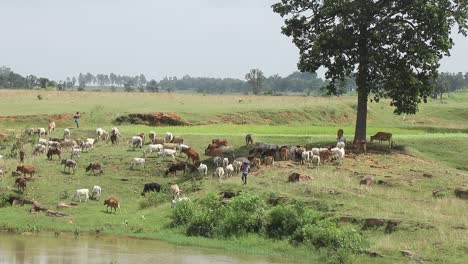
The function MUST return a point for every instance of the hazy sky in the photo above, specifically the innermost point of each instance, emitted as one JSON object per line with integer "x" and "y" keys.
{"x": 216, "y": 38}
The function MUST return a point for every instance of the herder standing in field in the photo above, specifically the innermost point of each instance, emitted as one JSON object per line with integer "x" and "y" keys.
{"x": 245, "y": 172}
{"x": 77, "y": 119}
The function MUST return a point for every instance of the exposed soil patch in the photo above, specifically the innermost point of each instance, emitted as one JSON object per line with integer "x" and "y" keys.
{"x": 53, "y": 117}
{"x": 153, "y": 119}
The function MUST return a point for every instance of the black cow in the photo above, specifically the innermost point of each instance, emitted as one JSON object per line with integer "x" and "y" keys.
{"x": 175, "y": 167}
{"x": 151, "y": 187}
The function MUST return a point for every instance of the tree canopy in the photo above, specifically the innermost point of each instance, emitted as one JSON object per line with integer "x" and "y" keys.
{"x": 393, "y": 47}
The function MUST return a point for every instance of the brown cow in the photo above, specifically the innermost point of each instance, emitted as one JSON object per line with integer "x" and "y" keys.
{"x": 191, "y": 154}
{"x": 178, "y": 140}
{"x": 26, "y": 169}
{"x": 325, "y": 155}
{"x": 97, "y": 166}
{"x": 142, "y": 135}
{"x": 220, "y": 142}
{"x": 270, "y": 160}
{"x": 382, "y": 136}
{"x": 51, "y": 127}
{"x": 284, "y": 153}
{"x": 20, "y": 184}
{"x": 112, "y": 203}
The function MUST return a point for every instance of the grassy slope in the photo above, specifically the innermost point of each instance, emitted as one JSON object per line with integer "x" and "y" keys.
{"x": 430, "y": 227}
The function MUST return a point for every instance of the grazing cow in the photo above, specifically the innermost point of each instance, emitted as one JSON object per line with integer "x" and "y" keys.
{"x": 44, "y": 142}
{"x": 269, "y": 161}
{"x": 248, "y": 139}
{"x": 113, "y": 203}
{"x": 225, "y": 162}
{"x": 54, "y": 144}
{"x": 96, "y": 193}
{"x": 136, "y": 142}
{"x": 137, "y": 162}
{"x": 360, "y": 144}
{"x": 41, "y": 131}
{"x": 81, "y": 192}
{"x": 237, "y": 164}
{"x": 20, "y": 184}
{"x": 151, "y": 187}
{"x": 152, "y": 136}
{"x": 168, "y": 137}
{"x": 54, "y": 151}
{"x": 203, "y": 170}
{"x": 153, "y": 148}
{"x": 69, "y": 163}
{"x": 382, "y": 136}
{"x": 221, "y": 151}
{"x": 105, "y": 136}
{"x": 96, "y": 166}
{"x": 26, "y": 169}
{"x": 66, "y": 133}
{"x": 306, "y": 156}
{"x": 167, "y": 152}
{"x": 86, "y": 146}
{"x": 51, "y": 127}
{"x": 284, "y": 153}
{"x": 191, "y": 154}
{"x": 115, "y": 131}
{"x": 219, "y": 172}
{"x": 325, "y": 155}
{"x": 170, "y": 146}
{"x": 68, "y": 144}
{"x": 175, "y": 190}
{"x": 229, "y": 170}
{"x": 76, "y": 152}
{"x": 177, "y": 140}
{"x": 181, "y": 166}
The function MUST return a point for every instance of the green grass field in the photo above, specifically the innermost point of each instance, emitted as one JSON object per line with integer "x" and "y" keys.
{"x": 433, "y": 142}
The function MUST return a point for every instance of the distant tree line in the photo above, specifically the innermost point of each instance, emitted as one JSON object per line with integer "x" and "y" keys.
{"x": 255, "y": 82}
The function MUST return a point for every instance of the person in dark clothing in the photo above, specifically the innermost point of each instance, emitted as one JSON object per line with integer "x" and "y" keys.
{"x": 245, "y": 172}
{"x": 77, "y": 117}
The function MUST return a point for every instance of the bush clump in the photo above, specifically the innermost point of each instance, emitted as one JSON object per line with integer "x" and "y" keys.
{"x": 152, "y": 199}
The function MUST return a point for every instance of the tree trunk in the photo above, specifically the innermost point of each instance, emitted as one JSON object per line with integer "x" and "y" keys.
{"x": 362, "y": 85}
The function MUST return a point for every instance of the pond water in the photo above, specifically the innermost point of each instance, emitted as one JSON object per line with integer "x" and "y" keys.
{"x": 49, "y": 249}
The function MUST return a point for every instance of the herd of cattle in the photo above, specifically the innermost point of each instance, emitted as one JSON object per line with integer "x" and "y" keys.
{"x": 224, "y": 157}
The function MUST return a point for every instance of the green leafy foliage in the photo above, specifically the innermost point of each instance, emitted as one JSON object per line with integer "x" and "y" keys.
{"x": 152, "y": 199}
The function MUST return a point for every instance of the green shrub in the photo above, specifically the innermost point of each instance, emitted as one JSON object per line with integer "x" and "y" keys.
{"x": 282, "y": 222}
{"x": 206, "y": 222}
{"x": 327, "y": 234}
{"x": 152, "y": 199}
{"x": 182, "y": 213}
{"x": 4, "y": 200}
{"x": 244, "y": 214}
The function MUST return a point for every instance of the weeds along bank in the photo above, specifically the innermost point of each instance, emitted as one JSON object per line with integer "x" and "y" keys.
{"x": 322, "y": 218}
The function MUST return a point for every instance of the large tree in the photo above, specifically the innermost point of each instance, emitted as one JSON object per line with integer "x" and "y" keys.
{"x": 393, "y": 46}
{"x": 255, "y": 79}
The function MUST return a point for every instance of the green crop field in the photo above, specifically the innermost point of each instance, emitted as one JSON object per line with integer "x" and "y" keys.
{"x": 429, "y": 154}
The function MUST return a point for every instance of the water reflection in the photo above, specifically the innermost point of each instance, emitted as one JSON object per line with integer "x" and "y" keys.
{"x": 52, "y": 250}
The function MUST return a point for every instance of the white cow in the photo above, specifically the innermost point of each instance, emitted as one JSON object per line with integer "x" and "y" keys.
{"x": 76, "y": 152}
{"x": 136, "y": 142}
{"x": 91, "y": 141}
{"x": 168, "y": 137}
{"x": 138, "y": 162}
{"x": 66, "y": 133}
{"x": 203, "y": 169}
{"x": 167, "y": 152}
{"x": 41, "y": 131}
{"x": 237, "y": 166}
{"x": 81, "y": 192}
{"x": 217, "y": 161}
{"x": 99, "y": 132}
{"x": 96, "y": 194}
{"x": 153, "y": 148}
{"x": 225, "y": 162}
{"x": 43, "y": 142}
{"x": 38, "y": 148}
{"x": 219, "y": 172}
{"x": 229, "y": 170}
{"x": 86, "y": 146}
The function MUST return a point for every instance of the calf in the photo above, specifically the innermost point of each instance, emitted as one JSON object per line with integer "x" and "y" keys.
{"x": 96, "y": 166}
{"x": 151, "y": 187}
{"x": 360, "y": 144}
{"x": 113, "y": 203}
{"x": 203, "y": 170}
{"x": 181, "y": 166}
{"x": 69, "y": 163}
{"x": 26, "y": 169}
{"x": 81, "y": 192}
{"x": 191, "y": 154}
